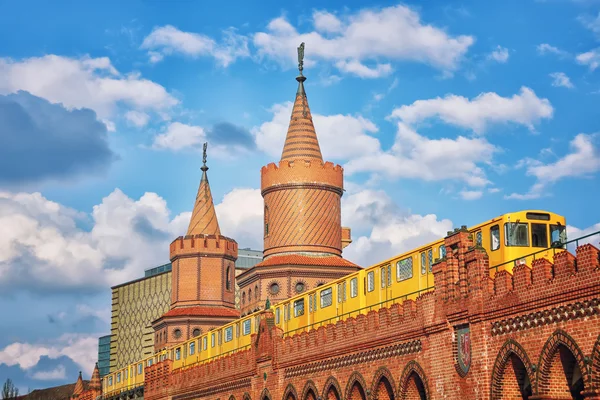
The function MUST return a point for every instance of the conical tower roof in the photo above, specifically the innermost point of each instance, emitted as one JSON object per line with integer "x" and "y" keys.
{"x": 204, "y": 218}
{"x": 95, "y": 380}
{"x": 301, "y": 142}
{"x": 78, "y": 385}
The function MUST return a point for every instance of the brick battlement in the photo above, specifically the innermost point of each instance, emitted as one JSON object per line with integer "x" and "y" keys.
{"x": 301, "y": 172}
{"x": 204, "y": 244}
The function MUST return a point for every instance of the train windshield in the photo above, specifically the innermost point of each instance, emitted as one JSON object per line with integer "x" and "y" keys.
{"x": 516, "y": 234}
{"x": 558, "y": 235}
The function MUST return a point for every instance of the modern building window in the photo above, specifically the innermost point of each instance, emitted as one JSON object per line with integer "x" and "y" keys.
{"x": 326, "y": 297}
{"x": 371, "y": 281}
{"x": 228, "y": 334}
{"x": 298, "y": 308}
{"x": 495, "y": 237}
{"x": 353, "y": 287}
{"x": 404, "y": 269}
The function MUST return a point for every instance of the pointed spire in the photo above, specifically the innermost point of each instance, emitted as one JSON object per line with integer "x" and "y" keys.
{"x": 204, "y": 218}
{"x": 95, "y": 380}
{"x": 78, "y": 385}
{"x": 301, "y": 141}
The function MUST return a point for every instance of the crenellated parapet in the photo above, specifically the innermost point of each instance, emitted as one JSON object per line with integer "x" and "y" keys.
{"x": 298, "y": 173}
{"x": 207, "y": 245}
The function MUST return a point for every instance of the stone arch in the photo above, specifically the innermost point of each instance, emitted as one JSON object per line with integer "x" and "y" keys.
{"x": 246, "y": 396}
{"x": 561, "y": 366}
{"x": 265, "y": 394}
{"x": 310, "y": 391}
{"x": 512, "y": 374}
{"x": 232, "y": 397}
{"x": 331, "y": 390}
{"x": 413, "y": 383}
{"x": 595, "y": 370}
{"x": 290, "y": 393}
{"x": 382, "y": 385}
{"x": 356, "y": 387}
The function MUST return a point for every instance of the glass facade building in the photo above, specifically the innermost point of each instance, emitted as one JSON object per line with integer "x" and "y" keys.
{"x": 104, "y": 355}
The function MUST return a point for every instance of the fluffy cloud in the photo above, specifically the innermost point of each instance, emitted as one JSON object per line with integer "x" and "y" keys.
{"x": 592, "y": 23}
{"x": 392, "y": 231}
{"x": 83, "y": 83}
{"x": 574, "y": 233}
{"x": 166, "y": 40}
{"x": 394, "y": 33}
{"x": 240, "y": 216}
{"x": 478, "y": 114}
{"x": 560, "y": 79}
{"x": 340, "y": 136}
{"x": 82, "y": 349}
{"x": 137, "y": 118}
{"x": 590, "y": 58}
{"x": 500, "y": 54}
{"x": 545, "y": 48}
{"x": 470, "y": 194}
{"x": 418, "y": 157}
{"x": 48, "y": 141}
{"x": 583, "y": 160}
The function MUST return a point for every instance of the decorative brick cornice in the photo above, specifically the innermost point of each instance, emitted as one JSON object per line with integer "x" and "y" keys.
{"x": 580, "y": 309}
{"x": 224, "y": 387}
{"x": 356, "y": 358}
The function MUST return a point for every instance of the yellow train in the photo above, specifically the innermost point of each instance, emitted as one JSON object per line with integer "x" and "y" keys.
{"x": 509, "y": 239}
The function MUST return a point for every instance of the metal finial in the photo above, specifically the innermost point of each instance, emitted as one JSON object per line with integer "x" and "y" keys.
{"x": 301, "y": 58}
{"x": 267, "y": 304}
{"x": 204, "y": 167}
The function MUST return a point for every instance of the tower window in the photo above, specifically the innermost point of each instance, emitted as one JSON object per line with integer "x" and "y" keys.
{"x": 228, "y": 278}
{"x": 266, "y": 221}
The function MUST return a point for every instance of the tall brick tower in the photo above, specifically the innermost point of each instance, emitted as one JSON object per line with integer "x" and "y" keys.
{"x": 203, "y": 276}
{"x": 303, "y": 236}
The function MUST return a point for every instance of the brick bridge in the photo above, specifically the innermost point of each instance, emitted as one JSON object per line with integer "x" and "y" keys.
{"x": 534, "y": 334}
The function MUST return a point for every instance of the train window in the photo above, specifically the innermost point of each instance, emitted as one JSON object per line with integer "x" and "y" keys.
{"x": 277, "y": 315}
{"x": 229, "y": 334}
{"x": 299, "y": 308}
{"x": 212, "y": 340}
{"x": 344, "y": 291}
{"x": 326, "y": 299}
{"x": 389, "y": 275}
{"x": 371, "y": 281}
{"x": 246, "y": 327}
{"x": 495, "y": 237}
{"x": 430, "y": 259}
{"x": 140, "y": 368}
{"x": 118, "y": 377}
{"x": 110, "y": 382}
{"x": 314, "y": 301}
{"x": 289, "y": 314}
{"x": 478, "y": 239}
{"x": 558, "y": 233}
{"x": 220, "y": 337}
{"x": 404, "y": 269}
{"x": 340, "y": 293}
{"x": 539, "y": 235}
{"x": 178, "y": 353}
{"x": 383, "y": 279}
{"x": 353, "y": 287}
{"x": 150, "y": 362}
{"x": 423, "y": 264}
{"x": 237, "y": 330}
{"x": 442, "y": 251}
{"x": 538, "y": 216}
{"x": 204, "y": 342}
{"x": 516, "y": 234}
{"x": 125, "y": 373}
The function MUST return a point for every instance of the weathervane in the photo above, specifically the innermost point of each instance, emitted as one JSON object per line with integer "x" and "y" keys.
{"x": 204, "y": 167}
{"x": 301, "y": 57}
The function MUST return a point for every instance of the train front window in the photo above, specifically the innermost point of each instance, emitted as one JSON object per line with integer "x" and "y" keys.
{"x": 539, "y": 235}
{"x": 495, "y": 237}
{"x": 558, "y": 234}
{"x": 516, "y": 234}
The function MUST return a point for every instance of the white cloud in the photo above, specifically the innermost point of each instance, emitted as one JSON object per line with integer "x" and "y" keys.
{"x": 83, "y": 82}
{"x": 137, "y": 118}
{"x": 500, "y": 54}
{"x": 82, "y": 349}
{"x": 561, "y": 80}
{"x": 417, "y": 157}
{"x": 240, "y": 216}
{"x": 575, "y": 233}
{"x": 179, "y": 136}
{"x": 582, "y": 161}
{"x": 591, "y": 23}
{"x": 590, "y": 58}
{"x": 357, "y": 68}
{"x": 340, "y": 136}
{"x": 494, "y": 190}
{"x": 470, "y": 194}
{"x": 54, "y": 374}
{"x": 166, "y": 40}
{"x": 392, "y": 33}
{"x": 545, "y": 48}
{"x": 478, "y": 114}
{"x": 391, "y": 231}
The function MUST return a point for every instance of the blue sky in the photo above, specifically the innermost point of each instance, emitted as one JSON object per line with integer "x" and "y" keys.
{"x": 442, "y": 114}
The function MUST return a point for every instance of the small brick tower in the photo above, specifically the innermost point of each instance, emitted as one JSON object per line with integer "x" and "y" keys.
{"x": 303, "y": 236}
{"x": 203, "y": 276}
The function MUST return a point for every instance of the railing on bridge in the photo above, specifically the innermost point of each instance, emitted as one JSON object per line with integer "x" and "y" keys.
{"x": 558, "y": 246}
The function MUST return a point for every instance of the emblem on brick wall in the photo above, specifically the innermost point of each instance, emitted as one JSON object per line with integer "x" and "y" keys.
{"x": 463, "y": 349}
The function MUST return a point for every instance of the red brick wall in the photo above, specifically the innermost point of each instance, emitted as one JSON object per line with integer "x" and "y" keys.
{"x": 535, "y": 332}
